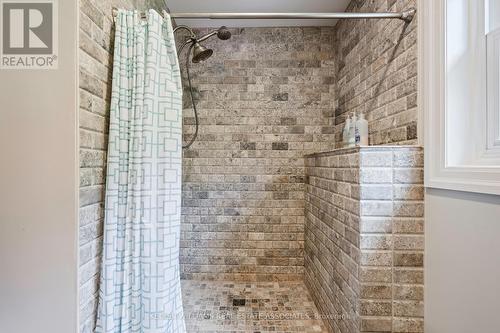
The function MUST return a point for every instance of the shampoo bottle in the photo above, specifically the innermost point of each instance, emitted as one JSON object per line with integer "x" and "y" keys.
{"x": 352, "y": 131}
{"x": 345, "y": 132}
{"x": 357, "y": 138}
{"x": 362, "y": 131}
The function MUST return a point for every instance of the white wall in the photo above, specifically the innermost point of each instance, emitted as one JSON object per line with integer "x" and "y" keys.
{"x": 38, "y": 192}
{"x": 462, "y": 262}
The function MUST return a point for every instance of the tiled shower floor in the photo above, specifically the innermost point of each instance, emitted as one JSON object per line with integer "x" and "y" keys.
{"x": 249, "y": 307}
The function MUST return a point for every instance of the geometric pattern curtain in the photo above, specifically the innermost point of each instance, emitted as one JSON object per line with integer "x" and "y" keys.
{"x": 140, "y": 282}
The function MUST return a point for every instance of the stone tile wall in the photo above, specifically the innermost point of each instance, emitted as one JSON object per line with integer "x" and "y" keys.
{"x": 332, "y": 253}
{"x": 377, "y": 73}
{"x": 266, "y": 98}
{"x": 95, "y": 64}
{"x": 364, "y": 238}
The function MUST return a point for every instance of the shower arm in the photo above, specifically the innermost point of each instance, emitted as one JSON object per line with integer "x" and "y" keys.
{"x": 193, "y": 37}
{"x": 207, "y": 36}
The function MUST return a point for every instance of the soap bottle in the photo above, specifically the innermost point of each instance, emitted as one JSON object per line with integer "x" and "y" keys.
{"x": 345, "y": 132}
{"x": 362, "y": 130}
{"x": 357, "y": 138}
{"x": 352, "y": 131}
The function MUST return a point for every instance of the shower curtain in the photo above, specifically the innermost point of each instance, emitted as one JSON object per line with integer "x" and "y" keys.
{"x": 139, "y": 283}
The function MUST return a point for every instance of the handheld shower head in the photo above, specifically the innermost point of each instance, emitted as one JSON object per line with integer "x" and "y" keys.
{"x": 223, "y": 33}
{"x": 200, "y": 53}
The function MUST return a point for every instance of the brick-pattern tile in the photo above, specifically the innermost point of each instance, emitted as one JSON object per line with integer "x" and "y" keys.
{"x": 332, "y": 237}
{"x": 265, "y": 98}
{"x": 364, "y": 238}
{"x": 377, "y": 73}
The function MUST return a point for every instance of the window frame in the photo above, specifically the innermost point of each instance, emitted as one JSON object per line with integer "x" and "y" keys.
{"x": 493, "y": 66}
{"x": 481, "y": 174}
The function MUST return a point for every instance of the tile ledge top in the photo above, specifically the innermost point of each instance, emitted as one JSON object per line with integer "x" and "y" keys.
{"x": 350, "y": 150}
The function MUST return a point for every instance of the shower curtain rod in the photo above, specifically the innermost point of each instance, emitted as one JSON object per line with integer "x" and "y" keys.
{"x": 406, "y": 15}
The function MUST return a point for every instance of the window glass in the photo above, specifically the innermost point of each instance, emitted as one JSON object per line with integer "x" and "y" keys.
{"x": 492, "y": 23}
{"x": 492, "y": 8}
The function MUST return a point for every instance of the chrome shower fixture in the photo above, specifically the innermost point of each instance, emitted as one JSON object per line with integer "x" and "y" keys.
{"x": 200, "y": 53}
{"x": 222, "y": 33}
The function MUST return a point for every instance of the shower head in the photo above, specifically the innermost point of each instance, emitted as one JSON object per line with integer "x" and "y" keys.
{"x": 200, "y": 53}
{"x": 223, "y": 33}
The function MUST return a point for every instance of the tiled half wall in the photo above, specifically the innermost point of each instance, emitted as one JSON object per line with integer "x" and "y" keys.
{"x": 364, "y": 238}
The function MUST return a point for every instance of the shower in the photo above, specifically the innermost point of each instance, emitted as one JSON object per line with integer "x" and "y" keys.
{"x": 244, "y": 217}
{"x": 200, "y": 53}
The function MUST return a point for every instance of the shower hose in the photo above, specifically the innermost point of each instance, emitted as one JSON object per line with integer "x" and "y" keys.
{"x": 193, "y": 102}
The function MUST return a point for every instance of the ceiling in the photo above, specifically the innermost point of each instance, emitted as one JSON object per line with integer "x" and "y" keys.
{"x": 264, "y": 6}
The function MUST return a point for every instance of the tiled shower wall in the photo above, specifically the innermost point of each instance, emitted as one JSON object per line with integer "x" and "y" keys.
{"x": 266, "y": 98}
{"x": 377, "y": 73}
{"x": 95, "y": 62}
{"x": 364, "y": 238}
